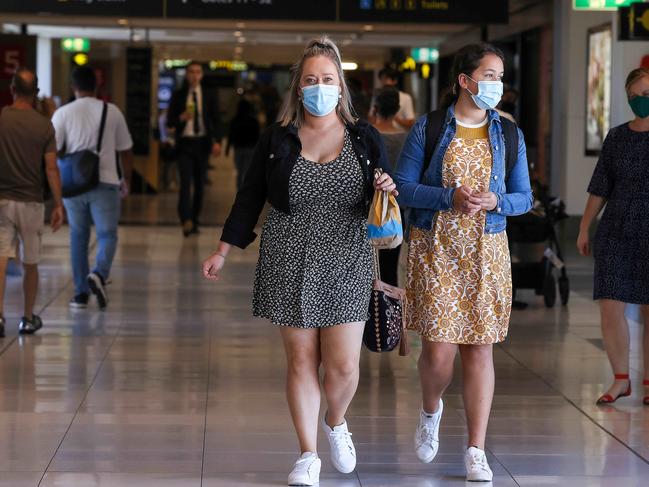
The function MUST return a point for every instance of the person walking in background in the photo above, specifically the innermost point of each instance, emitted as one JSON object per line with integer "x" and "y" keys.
{"x": 243, "y": 136}
{"x": 194, "y": 116}
{"x": 386, "y": 107}
{"x": 314, "y": 276}
{"x": 405, "y": 117}
{"x": 620, "y": 186}
{"x": 459, "y": 285}
{"x": 77, "y": 127}
{"x": 26, "y": 140}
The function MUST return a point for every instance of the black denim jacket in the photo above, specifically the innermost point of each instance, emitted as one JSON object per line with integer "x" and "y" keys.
{"x": 271, "y": 168}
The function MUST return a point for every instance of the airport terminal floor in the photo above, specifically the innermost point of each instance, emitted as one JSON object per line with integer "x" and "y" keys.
{"x": 176, "y": 385}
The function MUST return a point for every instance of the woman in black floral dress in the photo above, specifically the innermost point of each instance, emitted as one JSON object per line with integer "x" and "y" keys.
{"x": 621, "y": 245}
{"x": 316, "y": 169}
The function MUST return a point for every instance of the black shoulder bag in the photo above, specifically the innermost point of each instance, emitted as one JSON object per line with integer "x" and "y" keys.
{"x": 80, "y": 170}
{"x": 386, "y": 328}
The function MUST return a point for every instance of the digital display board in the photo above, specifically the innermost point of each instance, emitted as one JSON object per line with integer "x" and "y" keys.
{"x": 428, "y": 11}
{"x": 254, "y": 9}
{"x": 118, "y": 8}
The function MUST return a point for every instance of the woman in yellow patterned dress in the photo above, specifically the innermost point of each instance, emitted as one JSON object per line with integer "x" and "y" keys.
{"x": 459, "y": 273}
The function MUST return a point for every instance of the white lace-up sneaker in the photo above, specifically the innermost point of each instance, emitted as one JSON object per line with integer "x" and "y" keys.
{"x": 427, "y": 435}
{"x": 343, "y": 453}
{"x": 477, "y": 468}
{"x": 306, "y": 470}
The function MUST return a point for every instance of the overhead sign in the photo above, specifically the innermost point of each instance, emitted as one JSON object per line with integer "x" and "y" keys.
{"x": 425, "y": 54}
{"x": 253, "y": 9}
{"x": 118, "y": 8}
{"x": 601, "y": 4}
{"x": 428, "y": 11}
{"x": 75, "y": 44}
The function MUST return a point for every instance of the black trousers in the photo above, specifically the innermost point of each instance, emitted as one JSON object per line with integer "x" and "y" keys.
{"x": 193, "y": 157}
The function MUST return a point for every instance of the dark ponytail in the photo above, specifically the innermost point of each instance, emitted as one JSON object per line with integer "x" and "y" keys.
{"x": 466, "y": 61}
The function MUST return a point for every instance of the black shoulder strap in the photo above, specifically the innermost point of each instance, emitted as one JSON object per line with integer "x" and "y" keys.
{"x": 434, "y": 123}
{"x": 510, "y": 133}
{"x": 101, "y": 127}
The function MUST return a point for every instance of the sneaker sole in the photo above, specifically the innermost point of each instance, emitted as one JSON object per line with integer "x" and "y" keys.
{"x": 97, "y": 290}
{"x": 479, "y": 480}
{"x": 77, "y": 306}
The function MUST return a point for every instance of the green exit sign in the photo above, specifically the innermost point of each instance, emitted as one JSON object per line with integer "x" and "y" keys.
{"x": 601, "y": 4}
{"x": 425, "y": 54}
{"x": 75, "y": 44}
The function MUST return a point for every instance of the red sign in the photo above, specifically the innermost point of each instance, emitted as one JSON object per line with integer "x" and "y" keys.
{"x": 11, "y": 58}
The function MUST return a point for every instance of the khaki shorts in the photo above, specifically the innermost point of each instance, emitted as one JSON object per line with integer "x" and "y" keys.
{"x": 21, "y": 221}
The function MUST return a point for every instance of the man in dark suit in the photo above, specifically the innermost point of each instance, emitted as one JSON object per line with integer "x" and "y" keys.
{"x": 194, "y": 117}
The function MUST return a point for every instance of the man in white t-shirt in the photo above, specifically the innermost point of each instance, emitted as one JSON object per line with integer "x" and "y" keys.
{"x": 77, "y": 128}
{"x": 406, "y": 116}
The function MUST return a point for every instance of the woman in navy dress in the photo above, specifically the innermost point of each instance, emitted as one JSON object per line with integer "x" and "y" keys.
{"x": 620, "y": 185}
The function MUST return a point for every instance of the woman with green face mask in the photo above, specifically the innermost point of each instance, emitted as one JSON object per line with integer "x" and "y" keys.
{"x": 621, "y": 245}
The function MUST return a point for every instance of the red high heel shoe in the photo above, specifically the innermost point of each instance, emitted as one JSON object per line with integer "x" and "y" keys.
{"x": 608, "y": 399}
{"x": 645, "y": 400}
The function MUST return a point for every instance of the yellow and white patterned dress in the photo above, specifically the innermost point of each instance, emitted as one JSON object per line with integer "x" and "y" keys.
{"x": 459, "y": 277}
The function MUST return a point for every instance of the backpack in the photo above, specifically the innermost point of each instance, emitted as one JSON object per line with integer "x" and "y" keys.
{"x": 435, "y": 122}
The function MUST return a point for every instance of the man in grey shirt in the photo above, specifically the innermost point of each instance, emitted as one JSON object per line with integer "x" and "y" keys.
{"x": 26, "y": 141}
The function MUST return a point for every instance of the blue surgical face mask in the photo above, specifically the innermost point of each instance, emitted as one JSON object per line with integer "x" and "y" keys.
{"x": 320, "y": 100}
{"x": 489, "y": 94}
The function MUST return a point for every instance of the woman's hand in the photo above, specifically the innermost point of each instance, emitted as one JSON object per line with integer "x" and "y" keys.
{"x": 488, "y": 201}
{"x": 465, "y": 202}
{"x": 583, "y": 243}
{"x": 213, "y": 265}
{"x": 385, "y": 183}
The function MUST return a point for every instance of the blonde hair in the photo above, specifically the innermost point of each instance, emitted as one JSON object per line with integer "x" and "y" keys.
{"x": 634, "y": 76}
{"x": 292, "y": 111}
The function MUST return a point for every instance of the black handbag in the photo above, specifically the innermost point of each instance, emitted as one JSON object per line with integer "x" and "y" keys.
{"x": 80, "y": 170}
{"x": 386, "y": 327}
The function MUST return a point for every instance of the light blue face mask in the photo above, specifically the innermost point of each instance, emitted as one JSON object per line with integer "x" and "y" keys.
{"x": 320, "y": 100}
{"x": 489, "y": 94}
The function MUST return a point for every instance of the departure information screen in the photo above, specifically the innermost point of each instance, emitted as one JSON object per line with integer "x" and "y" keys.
{"x": 118, "y": 8}
{"x": 254, "y": 9}
{"x": 391, "y": 11}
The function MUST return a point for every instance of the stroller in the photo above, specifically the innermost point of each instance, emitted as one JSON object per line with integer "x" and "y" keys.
{"x": 536, "y": 227}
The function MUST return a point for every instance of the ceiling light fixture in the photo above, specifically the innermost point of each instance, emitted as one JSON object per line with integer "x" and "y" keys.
{"x": 349, "y": 66}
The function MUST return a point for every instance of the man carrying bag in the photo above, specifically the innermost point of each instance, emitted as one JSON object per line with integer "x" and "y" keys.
{"x": 95, "y": 169}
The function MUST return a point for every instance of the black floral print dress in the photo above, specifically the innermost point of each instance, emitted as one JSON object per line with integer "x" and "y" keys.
{"x": 621, "y": 246}
{"x": 315, "y": 265}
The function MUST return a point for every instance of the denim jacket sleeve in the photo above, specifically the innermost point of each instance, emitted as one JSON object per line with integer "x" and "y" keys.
{"x": 249, "y": 202}
{"x": 518, "y": 198}
{"x": 409, "y": 175}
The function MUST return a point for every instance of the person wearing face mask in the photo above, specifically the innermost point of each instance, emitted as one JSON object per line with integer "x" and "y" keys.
{"x": 620, "y": 186}
{"x": 458, "y": 273}
{"x": 314, "y": 275}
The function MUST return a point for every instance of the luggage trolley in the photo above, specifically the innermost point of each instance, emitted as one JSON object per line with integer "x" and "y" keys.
{"x": 536, "y": 227}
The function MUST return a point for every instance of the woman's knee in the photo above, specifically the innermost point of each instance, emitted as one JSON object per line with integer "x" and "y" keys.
{"x": 476, "y": 355}
{"x": 342, "y": 369}
{"x": 302, "y": 362}
{"x": 435, "y": 360}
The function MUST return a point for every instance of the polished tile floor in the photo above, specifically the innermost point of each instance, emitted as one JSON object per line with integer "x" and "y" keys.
{"x": 175, "y": 385}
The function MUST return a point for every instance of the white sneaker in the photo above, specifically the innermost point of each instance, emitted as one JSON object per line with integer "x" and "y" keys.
{"x": 306, "y": 470}
{"x": 477, "y": 468}
{"x": 427, "y": 435}
{"x": 343, "y": 453}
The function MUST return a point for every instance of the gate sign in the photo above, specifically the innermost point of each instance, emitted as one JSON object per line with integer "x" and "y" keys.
{"x": 425, "y": 11}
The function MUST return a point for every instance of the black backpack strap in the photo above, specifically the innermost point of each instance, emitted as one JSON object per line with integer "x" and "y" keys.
{"x": 101, "y": 126}
{"x": 434, "y": 124}
{"x": 510, "y": 133}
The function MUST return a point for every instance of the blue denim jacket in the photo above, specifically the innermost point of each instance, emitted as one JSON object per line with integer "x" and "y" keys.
{"x": 424, "y": 195}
